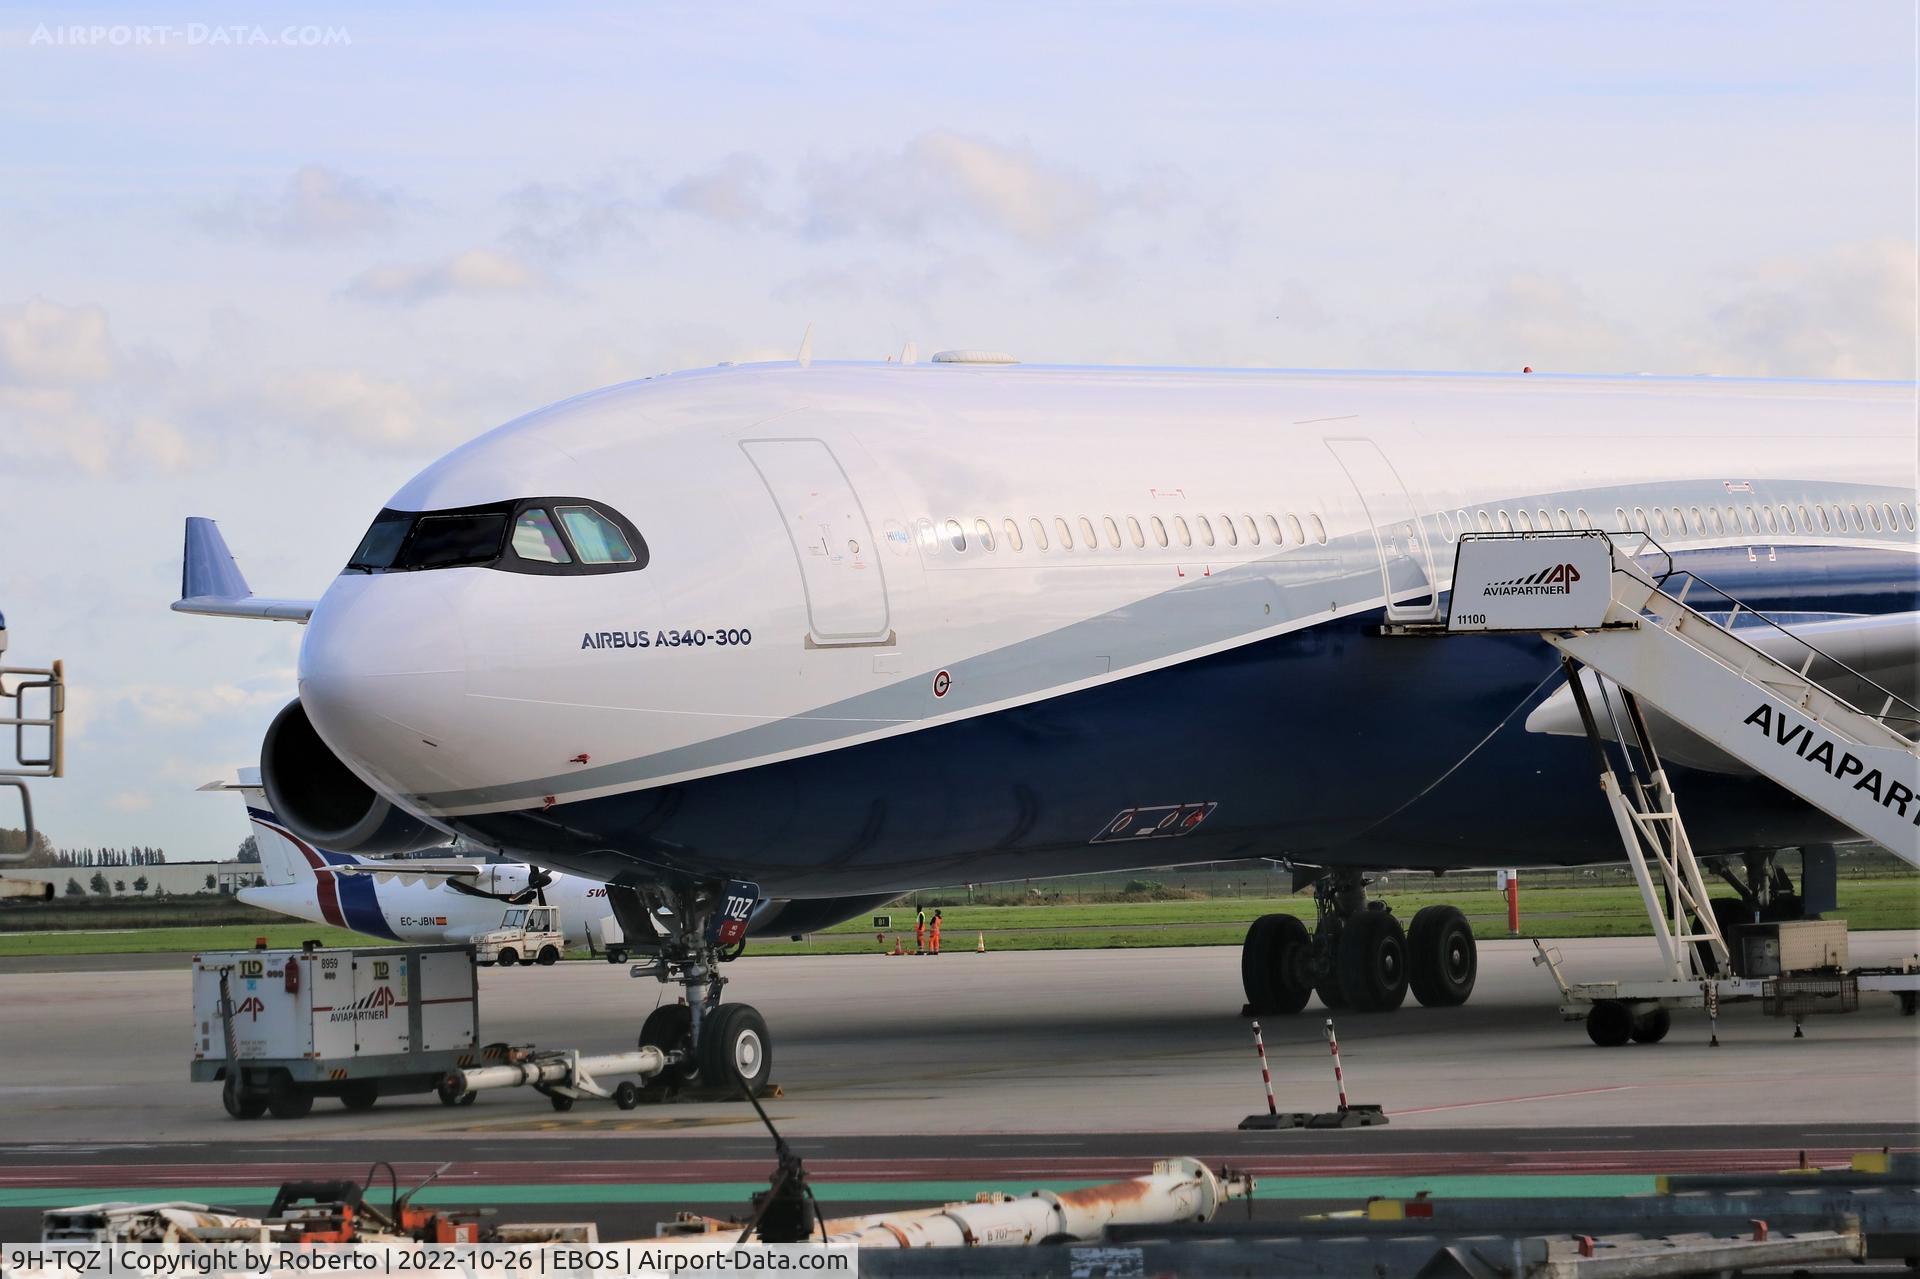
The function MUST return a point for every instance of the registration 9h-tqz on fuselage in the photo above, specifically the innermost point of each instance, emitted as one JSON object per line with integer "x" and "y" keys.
{"x": 841, "y": 631}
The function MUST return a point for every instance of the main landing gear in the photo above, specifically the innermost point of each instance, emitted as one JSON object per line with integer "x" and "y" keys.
{"x": 1358, "y": 956}
{"x": 710, "y": 1044}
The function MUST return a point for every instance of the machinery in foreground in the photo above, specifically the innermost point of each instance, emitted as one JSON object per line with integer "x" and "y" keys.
{"x": 34, "y": 707}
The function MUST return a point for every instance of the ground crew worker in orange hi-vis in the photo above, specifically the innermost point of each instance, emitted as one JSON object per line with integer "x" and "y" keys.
{"x": 936, "y": 932}
{"x": 920, "y": 931}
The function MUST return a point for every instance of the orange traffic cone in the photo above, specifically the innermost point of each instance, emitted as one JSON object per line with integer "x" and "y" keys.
{"x": 897, "y": 949}
{"x": 980, "y": 947}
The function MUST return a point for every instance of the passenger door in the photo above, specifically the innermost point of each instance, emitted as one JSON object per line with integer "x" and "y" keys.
{"x": 1406, "y": 562}
{"x": 833, "y": 543}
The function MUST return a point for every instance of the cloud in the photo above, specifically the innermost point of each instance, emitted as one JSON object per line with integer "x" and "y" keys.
{"x": 45, "y": 344}
{"x": 1849, "y": 312}
{"x": 474, "y": 273}
{"x": 733, "y": 194}
{"x": 557, "y": 220}
{"x": 944, "y": 179}
{"x": 348, "y": 402}
{"x": 68, "y": 393}
{"x": 317, "y": 206}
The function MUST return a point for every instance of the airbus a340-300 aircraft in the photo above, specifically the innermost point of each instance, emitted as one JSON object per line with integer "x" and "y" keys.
{"x": 833, "y": 632}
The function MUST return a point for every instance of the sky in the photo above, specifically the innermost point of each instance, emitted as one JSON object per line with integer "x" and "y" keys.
{"x": 264, "y": 262}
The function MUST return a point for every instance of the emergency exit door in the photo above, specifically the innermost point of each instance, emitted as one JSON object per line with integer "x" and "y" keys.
{"x": 833, "y": 544}
{"x": 1406, "y": 561}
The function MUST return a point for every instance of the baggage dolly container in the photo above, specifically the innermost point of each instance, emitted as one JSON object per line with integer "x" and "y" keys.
{"x": 278, "y": 1028}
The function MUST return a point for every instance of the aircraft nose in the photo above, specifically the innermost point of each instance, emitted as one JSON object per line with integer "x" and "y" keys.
{"x": 382, "y": 673}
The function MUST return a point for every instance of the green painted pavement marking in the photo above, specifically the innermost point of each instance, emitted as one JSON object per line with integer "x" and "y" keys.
{"x": 1490, "y": 1186}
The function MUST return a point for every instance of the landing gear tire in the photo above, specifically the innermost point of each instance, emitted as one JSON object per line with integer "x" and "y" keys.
{"x": 1326, "y": 941}
{"x": 1276, "y": 965}
{"x": 360, "y": 1095}
{"x": 239, "y": 1102}
{"x": 735, "y": 1047}
{"x": 1372, "y": 962}
{"x": 616, "y": 954}
{"x": 1609, "y": 1023}
{"x": 560, "y": 1103}
{"x": 549, "y": 956}
{"x": 1651, "y": 1026}
{"x": 289, "y": 1101}
{"x": 1442, "y": 960}
{"x": 667, "y": 1028}
{"x": 508, "y": 957}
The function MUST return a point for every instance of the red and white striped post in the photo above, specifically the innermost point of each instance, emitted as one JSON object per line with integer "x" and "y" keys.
{"x": 1339, "y": 1080}
{"x": 1266, "y": 1076}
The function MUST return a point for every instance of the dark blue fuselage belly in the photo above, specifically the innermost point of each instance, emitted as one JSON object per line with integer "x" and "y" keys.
{"x": 1332, "y": 745}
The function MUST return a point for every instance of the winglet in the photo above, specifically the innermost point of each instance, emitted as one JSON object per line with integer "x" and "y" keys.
{"x": 212, "y": 584}
{"x": 207, "y": 567}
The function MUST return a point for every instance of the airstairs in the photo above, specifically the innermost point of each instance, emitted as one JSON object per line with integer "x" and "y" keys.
{"x": 1720, "y": 675}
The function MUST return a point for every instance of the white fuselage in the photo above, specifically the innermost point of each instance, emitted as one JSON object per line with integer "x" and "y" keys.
{"x": 840, "y": 556}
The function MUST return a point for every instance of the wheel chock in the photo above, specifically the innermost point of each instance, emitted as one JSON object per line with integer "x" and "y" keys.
{"x": 1271, "y": 1120}
{"x": 1350, "y": 1117}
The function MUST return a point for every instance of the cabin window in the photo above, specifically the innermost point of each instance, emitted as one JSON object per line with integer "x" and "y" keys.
{"x": 1159, "y": 531}
{"x": 1906, "y": 516}
{"x": 1679, "y": 522}
{"x": 1133, "y": 531}
{"x": 956, "y": 536}
{"x": 1859, "y": 523}
{"x": 1561, "y": 520}
{"x": 1273, "y": 530}
{"x": 1766, "y": 518}
{"x": 1699, "y": 525}
{"x": 1227, "y": 532}
{"x": 1542, "y": 520}
{"x": 1620, "y": 518}
{"x": 1872, "y": 517}
{"x": 1088, "y": 538}
{"x": 1525, "y": 522}
{"x": 1718, "y": 525}
{"x": 1892, "y": 521}
{"x": 1826, "y": 525}
{"x": 1253, "y": 530}
{"x": 1486, "y": 525}
{"x": 1064, "y": 532}
{"x": 1113, "y": 532}
{"x": 1011, "y": 530}
{"x": 1319, "y": 529}
{"x": 1506, "y": 521}
{"x": 1181, "y": 531}
{"x": 1206, "y": 530}
{"x": 1039, "y": 527}
{"x": 983, "y": 534}
{"x": 1660, "y": 521}
{"x": 1293, "y": 526}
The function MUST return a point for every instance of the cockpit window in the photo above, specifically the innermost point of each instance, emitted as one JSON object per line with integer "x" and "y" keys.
{"x": 537, "y": 535}
{"x": 442, "y": 541}
{"x": 382, "y": 542}
{"x": 535, "y": 538}
{"x": 597, "y": 538}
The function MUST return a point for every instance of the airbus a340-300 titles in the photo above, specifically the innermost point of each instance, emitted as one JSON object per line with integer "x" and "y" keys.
{"x": 834, "y": 632}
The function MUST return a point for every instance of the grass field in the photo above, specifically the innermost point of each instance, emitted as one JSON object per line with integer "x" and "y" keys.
{"x": 1553, "y": 912}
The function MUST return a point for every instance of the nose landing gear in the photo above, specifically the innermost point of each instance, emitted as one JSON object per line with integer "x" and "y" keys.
{"x": 715, "y": 1045}
{"x": 1358, "y": 956}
